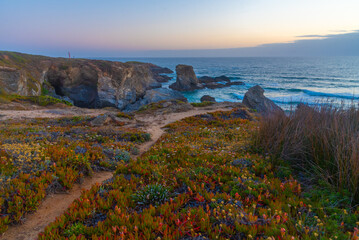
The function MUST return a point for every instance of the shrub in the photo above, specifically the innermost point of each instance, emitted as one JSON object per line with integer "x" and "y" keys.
{"x": 202, "y": 104}
{"x": 322, "y": 141}
{"x": 39, "y": 100}
{"x": 75, "y": 229}
{"x": 151, "y": 194}
{"x": 122, "y": 155}
{"x": 124, "y": 115}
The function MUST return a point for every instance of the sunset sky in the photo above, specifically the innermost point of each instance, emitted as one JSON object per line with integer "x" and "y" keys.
{"x": 110, "y": 27}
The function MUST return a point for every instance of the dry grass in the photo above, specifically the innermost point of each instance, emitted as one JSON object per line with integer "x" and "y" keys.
{"x": 322, "y": 141}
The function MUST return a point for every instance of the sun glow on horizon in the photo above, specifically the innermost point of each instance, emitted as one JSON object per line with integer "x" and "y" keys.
{"x": 167, "y": 25}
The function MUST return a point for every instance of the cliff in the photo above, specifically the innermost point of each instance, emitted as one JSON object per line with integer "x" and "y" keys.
{"x": 87, "y": 83}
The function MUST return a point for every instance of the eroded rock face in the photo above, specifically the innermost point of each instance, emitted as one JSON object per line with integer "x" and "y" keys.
{"x": 186, "y": 79}
{"x": 254, "y": 98}
{"x": 87, "y": 83}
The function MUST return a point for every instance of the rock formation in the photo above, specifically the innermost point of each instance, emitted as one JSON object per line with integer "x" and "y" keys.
{"x": 156, "y": 95}
{"x": 217, "y": 82}
{"x": 207, "y": 98}
{"x": 186, "y": 79}
{"x": 87, "y": 83}
{"x": 255, "y": 99}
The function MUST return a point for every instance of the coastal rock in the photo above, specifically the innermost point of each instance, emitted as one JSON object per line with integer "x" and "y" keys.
{"x": 186, "y": 79}
{"x": 207, "y": 79}
{"x": 234, "y": 83}
{"x": 156, "y": 95}
{"x": 222, "y": 79}
{"x": 100, "y": 120}
{"x": 16, "y": 81}
{"x": 157, "y": 71}
{"x": 207, "y": 98}
{"x": 217, "y": 82}
{"x": 86, "y": 83}
{"x": 254, "y": 99}
{"x": 214, "y": 85}
{"x": 162, "y": 78}
{"x": 154, "y": 85}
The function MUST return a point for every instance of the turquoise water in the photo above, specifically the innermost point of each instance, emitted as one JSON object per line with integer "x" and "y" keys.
{"x": 287, "y": 81}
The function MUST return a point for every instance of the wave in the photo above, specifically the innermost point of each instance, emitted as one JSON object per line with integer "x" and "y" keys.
{"x": 311, "y": 78}
{"x": 283, "y": 89}
{"x": 315, "y": 93}
{"x": 237, "y": 96}
{"x": 331, "y": 95}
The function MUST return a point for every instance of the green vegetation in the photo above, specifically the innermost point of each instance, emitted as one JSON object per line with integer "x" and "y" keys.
{"x": 202, "y": 104}
{"x": 124, "y": 115}
{"x": 159, "y": 105}
{"x": 151, "y": 194}
{"x": 42, "y": 156}
{"x": 321, "y": 142}
{"x": 151, "y": 107}
{"x": 200, "y": 182}
{"x": 39, "y": 100}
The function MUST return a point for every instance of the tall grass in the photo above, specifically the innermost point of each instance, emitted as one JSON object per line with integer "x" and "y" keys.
{"x": 322, "y": 141}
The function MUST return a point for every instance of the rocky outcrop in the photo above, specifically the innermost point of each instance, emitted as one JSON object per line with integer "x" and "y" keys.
{"x": 207, "y": 98}
{"x": 156, "y": 95}
{"x": 186, "y": 79}
{"x": 217, "y": 82}
{"x": 158, "y": 73}
{"x": 87, "y": 83}
{"x": 254, "y": 99}
{"x": 207, "y": 79}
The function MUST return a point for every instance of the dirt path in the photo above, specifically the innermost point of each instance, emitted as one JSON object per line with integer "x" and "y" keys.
{"x": 54, "y": 205}
{"x": 49, "y": 113}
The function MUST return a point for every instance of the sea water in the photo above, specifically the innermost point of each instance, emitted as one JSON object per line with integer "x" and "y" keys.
{"x": 286, "y": 81}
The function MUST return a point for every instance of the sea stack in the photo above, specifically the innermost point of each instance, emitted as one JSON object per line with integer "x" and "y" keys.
{"x": 186, "y": 79}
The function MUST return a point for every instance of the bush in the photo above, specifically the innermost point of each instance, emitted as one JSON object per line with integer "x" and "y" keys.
{"x": 322, "y": 141}
{"x": 151, "y": 194}
{"x": 122, "y": 155}
{"x": 39, "y": 100}
{"x": 124, "y": 115}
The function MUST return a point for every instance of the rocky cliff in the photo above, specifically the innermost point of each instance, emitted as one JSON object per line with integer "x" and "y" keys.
{"x": 87, "y": 83}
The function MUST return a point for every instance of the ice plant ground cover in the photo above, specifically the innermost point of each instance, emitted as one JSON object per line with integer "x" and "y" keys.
{"x": 199, "y": 181}
{"x": 38, "y": 157}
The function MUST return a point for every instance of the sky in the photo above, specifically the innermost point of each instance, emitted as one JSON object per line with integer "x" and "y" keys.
{"x": 147, "y": 28}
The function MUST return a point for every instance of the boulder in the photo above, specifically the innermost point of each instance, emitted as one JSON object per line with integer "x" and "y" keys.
{"x": 156, "y": 95}
{"x": 186, "y": 79}
{"x": 254, "y": 99}
{"x": 101, "y": 120}
{"x": 207, "y": 98}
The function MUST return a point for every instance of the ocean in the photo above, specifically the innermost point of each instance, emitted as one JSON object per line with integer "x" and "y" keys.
{"x": 286, "y": 81}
